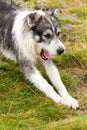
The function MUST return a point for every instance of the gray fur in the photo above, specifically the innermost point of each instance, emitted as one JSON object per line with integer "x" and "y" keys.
{"x": 7, "y": 15}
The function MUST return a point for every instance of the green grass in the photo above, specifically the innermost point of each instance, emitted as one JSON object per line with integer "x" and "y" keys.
{"x": 75, "y": 123}
{"x": 73, "y": 58}
{"x": 23, "y": 107}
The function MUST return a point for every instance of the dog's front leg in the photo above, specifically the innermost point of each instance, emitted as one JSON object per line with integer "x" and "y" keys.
{"x": 33, "y": 75}
{"x": 54, "y": 76}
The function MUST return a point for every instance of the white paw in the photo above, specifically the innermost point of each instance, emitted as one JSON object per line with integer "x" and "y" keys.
{"x": 70, "y": 102}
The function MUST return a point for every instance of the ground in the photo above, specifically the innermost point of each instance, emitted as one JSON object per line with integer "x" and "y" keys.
{"x": 23, "y": 107}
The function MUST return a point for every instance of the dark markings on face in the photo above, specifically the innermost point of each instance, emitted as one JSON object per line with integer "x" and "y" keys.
{"x": 46, "y": 29}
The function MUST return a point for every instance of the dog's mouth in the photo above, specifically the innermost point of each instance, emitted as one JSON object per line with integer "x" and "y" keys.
{"x": 45, "y": 55}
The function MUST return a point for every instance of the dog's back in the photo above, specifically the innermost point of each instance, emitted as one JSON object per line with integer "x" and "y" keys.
{"x": 8, "y": 3}
{"x": 8, "y": 11}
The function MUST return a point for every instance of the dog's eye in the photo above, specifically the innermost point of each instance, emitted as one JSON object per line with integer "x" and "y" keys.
{"x": 48, "y": 36}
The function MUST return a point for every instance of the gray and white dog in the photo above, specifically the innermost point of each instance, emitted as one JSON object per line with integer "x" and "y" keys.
{"x": 26, "y": 36}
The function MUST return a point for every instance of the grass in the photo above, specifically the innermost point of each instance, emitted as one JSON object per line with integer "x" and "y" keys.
{"x": 23, "y": 107}
{"x": 75, "y": 123}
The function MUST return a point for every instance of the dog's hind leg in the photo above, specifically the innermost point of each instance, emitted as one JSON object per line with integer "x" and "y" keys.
{"x": 55, "y": 78}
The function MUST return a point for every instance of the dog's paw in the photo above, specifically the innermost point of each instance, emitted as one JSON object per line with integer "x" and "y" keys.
{"x": 70, "y": 102}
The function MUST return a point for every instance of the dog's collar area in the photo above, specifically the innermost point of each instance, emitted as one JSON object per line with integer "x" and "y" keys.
{"x": 45, "y": 55}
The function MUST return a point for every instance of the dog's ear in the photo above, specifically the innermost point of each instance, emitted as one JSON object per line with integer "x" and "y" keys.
{"x": 33, "y": 19}
{"x": 56, "y": 11}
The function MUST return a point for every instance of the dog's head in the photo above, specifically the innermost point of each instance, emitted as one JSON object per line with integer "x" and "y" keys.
{"x": 46, "y": 33}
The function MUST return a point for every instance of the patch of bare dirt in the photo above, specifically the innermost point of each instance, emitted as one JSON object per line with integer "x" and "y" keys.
{"x": 81, "y": 88}
{"x": 81, "y": 75}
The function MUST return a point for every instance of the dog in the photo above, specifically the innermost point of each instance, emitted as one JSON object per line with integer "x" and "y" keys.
{"x": 26, "y": 36}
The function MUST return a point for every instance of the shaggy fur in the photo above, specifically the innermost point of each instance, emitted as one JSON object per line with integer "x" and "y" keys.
{"x": 26, "y": 36}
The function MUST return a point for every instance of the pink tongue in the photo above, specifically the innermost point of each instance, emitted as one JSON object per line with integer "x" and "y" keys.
{"x": 47, "y": 55}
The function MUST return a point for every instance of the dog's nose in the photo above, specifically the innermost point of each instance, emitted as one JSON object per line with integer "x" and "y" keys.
{"x": 60, "y": 50}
